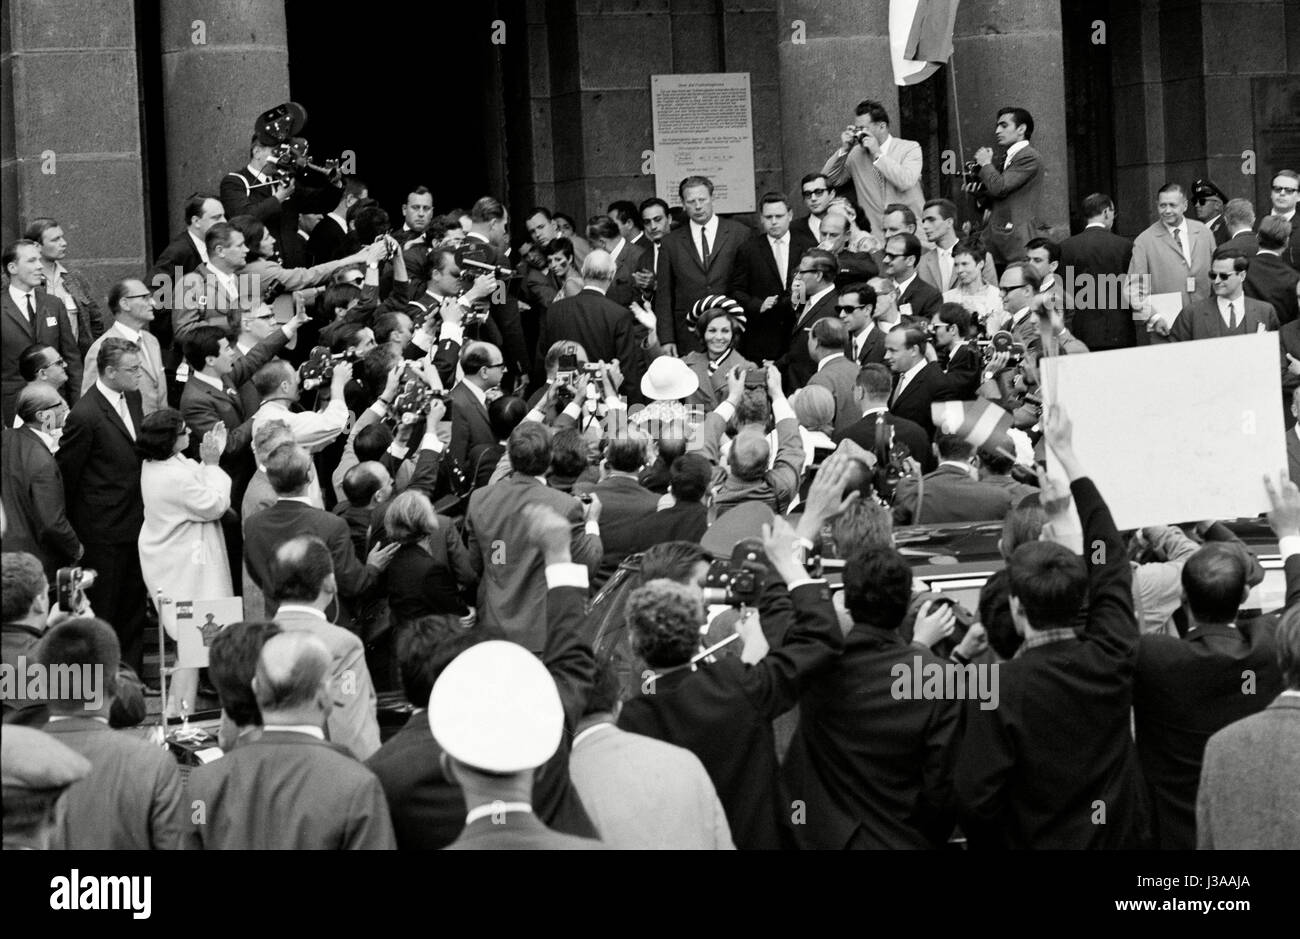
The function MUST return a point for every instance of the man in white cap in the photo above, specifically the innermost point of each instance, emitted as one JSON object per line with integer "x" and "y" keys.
{"x": 497, "y": 714}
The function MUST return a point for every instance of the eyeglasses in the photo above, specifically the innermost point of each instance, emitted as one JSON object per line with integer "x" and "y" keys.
{"x": 496, "y": 365}
{"x": 1286, "y": 189}
{"x": 1007, "y": 288}
{"x": 132, "y": 370}
{"x": 850, "y": 308}
{"x": 887, "y": 256}
{"x": 57, "y": 363}
{"x": 809, "y": 193}
{"x": 1219, "y": 275}
{"x": 137, "y": 296}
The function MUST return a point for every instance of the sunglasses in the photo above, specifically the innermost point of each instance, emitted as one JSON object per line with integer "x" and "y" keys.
{"x": 1286, "y": 189}
{"x": 809, "y": 193}
{"x": 1218, "y": 275}
{"x": 1007, "y": 288}
{"x": 850, "y": 309}
{"x": 887, "y": 256}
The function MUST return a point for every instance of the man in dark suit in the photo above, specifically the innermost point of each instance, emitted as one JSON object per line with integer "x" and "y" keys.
{"x": 1094, "y": 258}
{"x": 1015, "y": 187}
{"x": 818, "y": 194}
{"x": 854, "y": 265}
{"x": 603, "y": 327}
{"x": 1190, "y": 687}
{"x": 874, "y": 769}
{"x": 490, "y": 229}
{"x": 427, "y": 805}
{"x": 837, "y": 373}
{"x": 606, "y": 234}
{"x": 327, "y": 238}
{"x": 36, "y": 521}
{"x": 290, "y": 471}
{"x": 1269, "y": 277}
{"x": 512, "y": 582}
{"x": 1210, "y": 202}
{"x": 1056, "y": 757}
{"x": 1239, "y": 222}
{"x": 766, "y": 265}
{"x": 101, "y": 484}
{"x": 623, "y": 501}
{"x": 687, "y": 518}
{"x": 251, "y": 191}
{"x": 696, "y": 261}
{"x": 875, "y": 384}
{"x": 920, "y": 383}
{"x": 29, "y": 316}
{"x": 952, "y": 493}
{"x": 183, "y": 254}
{"x": 1229, "y": 312}
{"x": 857, "y": 308}
{"x": 483, "y": 367}
{"x": 1285, "y": 196}
{"x": 959, "y": 359}
{"x": 913, "y": 296}
{"x": 816, "y": 273}
{"x": 290, "y": 788}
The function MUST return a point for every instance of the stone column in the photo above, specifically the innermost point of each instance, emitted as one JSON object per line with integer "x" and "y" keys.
{"x": 832, "y": 54}
{"x": 71, "y": 129}
{"x": 224, "y": 63}
{"x": 1007, "y": 53}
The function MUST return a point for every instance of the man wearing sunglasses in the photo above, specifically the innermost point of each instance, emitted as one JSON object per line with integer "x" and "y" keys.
{"x": 132, "y": 306}
{"x": 1229, "y": 312}
{"x": 817, "y": 195}
{"x": 1285, "y": 192}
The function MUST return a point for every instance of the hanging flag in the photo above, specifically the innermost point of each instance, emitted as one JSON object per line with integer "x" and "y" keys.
{"x": 985, "y": 425}
{"x": 920, "y": 37}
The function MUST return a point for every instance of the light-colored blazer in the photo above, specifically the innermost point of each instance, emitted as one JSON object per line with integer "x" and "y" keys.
{"x": 153, "y": 382}
{"x": 1157, "y": 260}
{"x": 894, "y": 177}
{"x": 928, "y": 270}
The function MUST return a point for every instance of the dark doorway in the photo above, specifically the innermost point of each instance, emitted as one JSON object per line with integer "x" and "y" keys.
{"x": 410, "y": 92}
{"x": 1089, "y": 103}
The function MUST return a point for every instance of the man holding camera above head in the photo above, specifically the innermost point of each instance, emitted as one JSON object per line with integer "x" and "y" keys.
{"x": 279, "y": 385}
{"x": 1014, "y": 185}
{"x": 885, "y": 169}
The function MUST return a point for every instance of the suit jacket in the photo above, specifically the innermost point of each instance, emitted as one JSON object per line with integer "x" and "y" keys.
{"x": 622, "y": 502}
{"x": 1187, "y": 689}
{"x": 796, "y": 364}
{"x": 1157, "y": 258}
{"x": 89, "y": 317}
{"x": 132, "y": 799}
{"x": 505, "y": 316}
{"x": 949, "y": 495}
{"x": 921, "y": 297}
{"x": 876, "y": 770}
{"x": 16, "y": 334}
{"x": 1291, "y": 254}
{"x": 894, "y": 177}
{"x": 512, "y": 572}
{"x": 927, "y": 386}
{"x": 756, "y": 278}
{"x": 961, "y": 371}
{"x": 517, "y": 831}
{"x": 1016, "y": 189}
{"x": 840, "y": 376}
{"x": 469, "y": 423}
{"x": 101, "y": 471}
{"x": 352, "y": 723}
{"x": 633, "y": 257}
{"x": 177, "y": 259}
{"x": 1202, "y": 320}
{"x": 241, "y": 194}
{"x": 202, "y": 300}
{"x": 605, "y": 330}
{"x": 1102, "y": 318}
{"x": 1271, "y": 279}
{"x": 1247, "y": 242}
{"x": 290, "y": 791}
{"x": 429, "y": 810}
{"x": 326, "y": 241}
{"x": 270, "y": 528}
{"x": 684, "y": 521}
{"x": 908, "y": 433}
{"x": 723, "y": 711}
{"x": 153, "y": 380}
{"x": 873, "y": 349}
{"x": 1219, "y": 229}
{"x": 930, "y": 272}
{"x": 1033, "y": 772}
{"x": 20, "y": 640}
{"x": 430, "y": 578}
{"x": 1247, "y": 797}
{"x": 683, "y": 278}
{"x": 36, "y": 519}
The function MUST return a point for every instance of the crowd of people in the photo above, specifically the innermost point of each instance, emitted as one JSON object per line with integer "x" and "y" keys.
{"x": 417, "y": 450}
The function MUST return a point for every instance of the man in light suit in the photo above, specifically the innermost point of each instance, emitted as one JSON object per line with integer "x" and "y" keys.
{"x": 628, "y": 257}
{"x": 29, "y": 316}
{"x": 817, "y": 270}
{"x": 35, "y": 517}
{"x": 766, "y": 265}
{"x": 1269, "y": 277}
{"x": 1229, "y": 312}
{"x": 939, "y": 225}
{"x": 302, "y": 583}
{"x": 696, "y": 261}
{"x": 133, "y": 798}
{"x": 101, "y": 484}
{"x": 211, "y": 293}
{"x": 913, "y": 296}
{"x": 1097, "y": 256}
{"x": 1247, "y": 797}
{"x": 1015, "y": 187}
{"x": 602, "y": 326}
{"x": 483, "y": 367}
{"x": 1172, "y": 256}
{"x": 884, "y": 169}
{"x": 512, "y": 584}
{"x": 133, "y": 313}
{"x": 290, "y": 788}
{"x": 835, "y": 372}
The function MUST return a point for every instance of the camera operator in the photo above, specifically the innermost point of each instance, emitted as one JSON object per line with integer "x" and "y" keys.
{"x": 490, "y": 228}
{"x": 253, "y": 191}
{"x": 1014, "y": 186}
{"x": 959, "y": 359}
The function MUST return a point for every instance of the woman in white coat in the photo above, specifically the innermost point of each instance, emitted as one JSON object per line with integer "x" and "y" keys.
{"x": 182, "y": 550}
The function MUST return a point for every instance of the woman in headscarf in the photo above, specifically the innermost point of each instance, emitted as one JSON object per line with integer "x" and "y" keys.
{"x": 719, "y": 321}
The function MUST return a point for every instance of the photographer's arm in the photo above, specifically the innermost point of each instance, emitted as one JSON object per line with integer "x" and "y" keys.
{"x": 1018, "y": 171}
{"x": 836, "y": 169}
{"x": 566, "y": 655}
{"x": 787, "y": 470}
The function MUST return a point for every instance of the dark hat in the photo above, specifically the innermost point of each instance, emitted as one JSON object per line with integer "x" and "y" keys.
{"x": 1204, "y": 190}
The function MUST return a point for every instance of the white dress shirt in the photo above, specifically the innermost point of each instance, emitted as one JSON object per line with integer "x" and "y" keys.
{"x": 200, "y": 245}
{"x": 781, "y": 252}
{"x": 1014, "y": 149}
{"x": 860, "y": 340}
{"x": 117, "y": 400}
{"x": 1181, "y": 228}
{"x": 711, "y": 228}
{"x": 1238, "y": 304}
{"x": 907, "y": 379}
{"x": 20, "y": 300}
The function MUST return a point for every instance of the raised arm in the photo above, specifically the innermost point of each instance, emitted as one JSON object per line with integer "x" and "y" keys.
{"x": 1284, "y": 517}
{"x": 787, "y": 470}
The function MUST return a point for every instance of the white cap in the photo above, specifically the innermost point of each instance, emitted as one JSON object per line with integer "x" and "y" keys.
{"x": 669, "y": 379}
{"x": 495, "y": 708}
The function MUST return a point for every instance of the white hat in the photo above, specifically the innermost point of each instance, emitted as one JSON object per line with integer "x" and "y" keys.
{"x": 669, "y": 379}
{"x": 495, "y": 708}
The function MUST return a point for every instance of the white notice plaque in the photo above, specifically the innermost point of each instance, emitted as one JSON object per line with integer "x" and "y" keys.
{"x": 704, "y": 126}
{"x": 1178, "y": 432}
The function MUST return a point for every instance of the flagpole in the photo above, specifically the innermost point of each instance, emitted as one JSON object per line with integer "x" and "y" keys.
{"x": 956, "y": 104}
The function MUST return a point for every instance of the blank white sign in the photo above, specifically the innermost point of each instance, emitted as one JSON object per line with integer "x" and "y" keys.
{"x": 1177, "y": 432}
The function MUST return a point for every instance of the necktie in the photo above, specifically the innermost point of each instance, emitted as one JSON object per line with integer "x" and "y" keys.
{"x": 1232, "y": 317}
{"x": 778, "y": 251}
{"x": 31, "y": 317}
{"x": 1179, "y": 242}
{"x": 655, "y": 267}
{"x": 125, "y": 415}
{"x": 704, "y": 246}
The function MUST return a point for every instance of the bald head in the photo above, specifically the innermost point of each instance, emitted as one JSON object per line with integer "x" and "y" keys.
{"x": 292, "y": 677}
{"x": 749, "y": 454}
{"x": 302, "y": 571}
{"x": 598, "y": 268}
{"x": 35, "y": 398}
